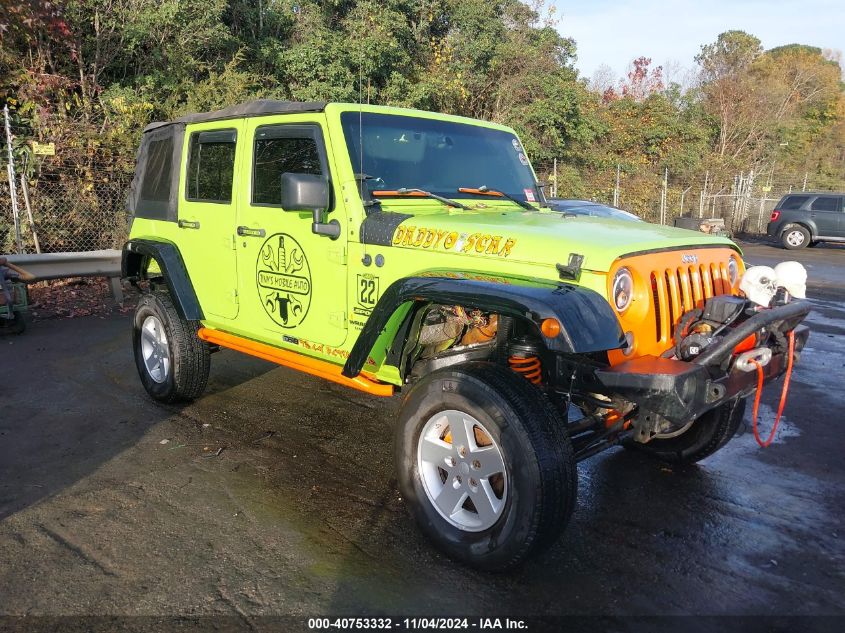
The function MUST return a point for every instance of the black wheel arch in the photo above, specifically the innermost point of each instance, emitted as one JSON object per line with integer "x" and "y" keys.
{"x": 808, "y": 226}
{"x": 135, "y": 261}
{"x": 588, "y": 323}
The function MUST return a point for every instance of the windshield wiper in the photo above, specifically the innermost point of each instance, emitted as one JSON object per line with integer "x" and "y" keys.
{"x": 419, "y": 193}
{"x": 484, "y": 190}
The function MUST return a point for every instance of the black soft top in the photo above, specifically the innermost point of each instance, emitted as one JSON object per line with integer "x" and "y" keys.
{"x": 260, "y": 107}
{"x": 153, "y": 193}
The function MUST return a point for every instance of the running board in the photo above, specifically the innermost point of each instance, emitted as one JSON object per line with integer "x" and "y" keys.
{"x": 299, "y": 362}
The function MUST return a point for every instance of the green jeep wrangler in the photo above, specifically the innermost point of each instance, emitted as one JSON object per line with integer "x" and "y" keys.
{"x": 397, "y": 250}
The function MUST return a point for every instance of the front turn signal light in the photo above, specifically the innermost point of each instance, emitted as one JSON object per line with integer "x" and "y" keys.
{"x": 550, "y": 328}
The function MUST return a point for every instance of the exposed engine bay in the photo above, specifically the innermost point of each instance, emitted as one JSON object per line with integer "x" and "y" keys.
{"x": 453, "y": 334}
{"x": 447, "y": 326}
{"x": 449, "y": 335}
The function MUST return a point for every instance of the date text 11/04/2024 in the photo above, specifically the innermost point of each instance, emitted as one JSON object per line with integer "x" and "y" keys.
{"x": 418, "y": 624}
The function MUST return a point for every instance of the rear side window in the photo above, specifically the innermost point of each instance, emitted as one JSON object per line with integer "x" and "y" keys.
{"x": 825, "y": 203}
{"x": 155, "y": 186}
{"x": 791, "y": 203}
{"x": 279, "y": 149}
{"x": 211, "y": 166}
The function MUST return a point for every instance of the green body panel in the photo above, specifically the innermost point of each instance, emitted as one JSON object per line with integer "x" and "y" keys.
{"x": 321, "y": 277}
{"x": 542, "y": 237}
{"x": 205, "y": 236}
{"x": 234, "y": 275}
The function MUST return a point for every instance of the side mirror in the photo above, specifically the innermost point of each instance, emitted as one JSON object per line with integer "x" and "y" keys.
{"x": 304, "y": 192}
{"x": 309, "y": 192}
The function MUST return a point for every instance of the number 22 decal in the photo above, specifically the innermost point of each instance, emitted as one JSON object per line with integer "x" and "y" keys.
{"x": 367, "y": 290}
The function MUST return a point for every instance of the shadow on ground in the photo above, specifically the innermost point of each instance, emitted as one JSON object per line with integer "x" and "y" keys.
{"x": 71, "y": 401}
{"x": 298, "y": 514}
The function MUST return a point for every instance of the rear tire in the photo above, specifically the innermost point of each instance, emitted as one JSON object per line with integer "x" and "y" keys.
{"x": 795, "y": 237}
{"x": 509, "y": 492}
{"x": 172, "y": 361}
{"x": 706, "y": 436}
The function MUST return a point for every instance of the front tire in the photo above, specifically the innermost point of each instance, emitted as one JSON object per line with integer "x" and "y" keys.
{"x": 795, "y": 237}
{"x": 485, "y": 465}
{"x": 172, "y": 361}
{"x": 703, "y": 438}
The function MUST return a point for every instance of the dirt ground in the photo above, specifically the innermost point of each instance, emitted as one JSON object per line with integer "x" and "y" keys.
{"x": 71, "y": 298}
{"x": 274, "y": 495}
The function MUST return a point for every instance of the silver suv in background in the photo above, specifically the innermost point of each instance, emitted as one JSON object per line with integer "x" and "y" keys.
{"x": 805, "y": 219}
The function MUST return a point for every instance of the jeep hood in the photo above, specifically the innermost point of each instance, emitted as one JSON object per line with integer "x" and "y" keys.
{"x": 541, "y": 237}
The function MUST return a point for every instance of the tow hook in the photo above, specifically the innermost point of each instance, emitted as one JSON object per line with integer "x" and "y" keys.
{"x": 750, "y": 360}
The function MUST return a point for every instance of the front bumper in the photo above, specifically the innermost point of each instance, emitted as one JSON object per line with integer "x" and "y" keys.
{"x": 682, "y": 391}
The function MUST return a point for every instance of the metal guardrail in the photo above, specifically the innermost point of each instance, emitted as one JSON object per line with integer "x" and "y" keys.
{"x": 59, "y": 265}
{"x": 86, "y": 264}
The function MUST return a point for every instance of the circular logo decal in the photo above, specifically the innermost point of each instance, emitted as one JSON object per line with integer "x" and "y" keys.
{"x": 284, "y": 280}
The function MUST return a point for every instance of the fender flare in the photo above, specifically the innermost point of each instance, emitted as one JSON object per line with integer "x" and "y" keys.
{"x": 588, "y": 323}
{"x": 136, "y": 257}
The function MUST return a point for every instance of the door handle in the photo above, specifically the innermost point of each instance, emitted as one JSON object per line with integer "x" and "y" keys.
{"x": 246, "y": 231}
{"x": 188, "y": 224}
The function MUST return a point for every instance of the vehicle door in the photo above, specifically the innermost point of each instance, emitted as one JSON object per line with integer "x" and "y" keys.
{"x": 826, "y": 212}
{"x": 293, "y": 281}
{"x": 207, "y": 214}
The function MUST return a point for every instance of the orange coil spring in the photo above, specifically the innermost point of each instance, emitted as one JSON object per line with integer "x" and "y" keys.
{"x": 529, "y": 366}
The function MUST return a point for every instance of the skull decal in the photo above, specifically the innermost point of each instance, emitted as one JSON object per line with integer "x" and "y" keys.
{"x": 793, "y": 277}
{"x": 759, "y": 283}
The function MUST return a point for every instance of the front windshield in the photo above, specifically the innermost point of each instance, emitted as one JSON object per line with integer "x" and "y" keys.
{"x": 437, "y": 156}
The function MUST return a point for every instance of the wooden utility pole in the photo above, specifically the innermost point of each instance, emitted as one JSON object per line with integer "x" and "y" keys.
{"x": 10, "y": 170}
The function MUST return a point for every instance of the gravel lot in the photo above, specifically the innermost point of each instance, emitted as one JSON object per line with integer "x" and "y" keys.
{"x": 113, "y": 505}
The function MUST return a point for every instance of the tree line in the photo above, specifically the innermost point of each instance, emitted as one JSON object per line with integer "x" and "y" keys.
{"x": 89, "y": 74}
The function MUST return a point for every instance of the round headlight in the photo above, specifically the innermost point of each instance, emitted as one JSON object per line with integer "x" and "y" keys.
{"x": 623, "y": 289}
{"x": 733, "y": 270}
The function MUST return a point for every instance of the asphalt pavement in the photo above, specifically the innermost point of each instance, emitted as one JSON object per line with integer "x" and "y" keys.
{"x": 274, "y": 494}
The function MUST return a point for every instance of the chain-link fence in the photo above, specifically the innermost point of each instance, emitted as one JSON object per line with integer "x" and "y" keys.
{"x": 747, "y": 203}
{"x": 73, "y": 213}
{"x": 742, "y": 214}
{"x": 744, "y": 201}
{"x": 65, "y": 214}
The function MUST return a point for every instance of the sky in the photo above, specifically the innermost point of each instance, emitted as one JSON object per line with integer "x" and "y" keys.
{"x": 614, "y": 32}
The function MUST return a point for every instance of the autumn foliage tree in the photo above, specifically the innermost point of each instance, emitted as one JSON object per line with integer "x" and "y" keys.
{"x": 776, "y": 105}
{"x": 89, "y": 74}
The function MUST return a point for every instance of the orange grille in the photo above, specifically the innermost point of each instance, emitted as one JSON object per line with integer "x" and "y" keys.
{"x": 665, "y": 291}
{"x": 676, "y": 291}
